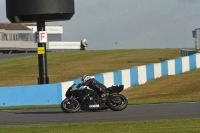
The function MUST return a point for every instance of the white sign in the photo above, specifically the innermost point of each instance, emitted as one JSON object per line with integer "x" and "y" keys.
{"x": 64, "y": 45}
{"x": 49, "y": 29}
{"x": 41, "y": 37}
{"x": 54, "y": 29}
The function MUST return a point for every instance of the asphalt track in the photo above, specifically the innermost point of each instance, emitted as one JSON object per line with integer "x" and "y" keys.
{"x": 131, "y": 113}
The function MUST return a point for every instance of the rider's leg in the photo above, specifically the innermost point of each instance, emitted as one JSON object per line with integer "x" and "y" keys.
{"x": 104, "y": 94}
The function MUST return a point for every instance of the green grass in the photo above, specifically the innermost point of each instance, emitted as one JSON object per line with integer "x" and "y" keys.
{"x": 29, "y": 107}
{"x": 64, "y": 66}
{"x": 154, "y": 126}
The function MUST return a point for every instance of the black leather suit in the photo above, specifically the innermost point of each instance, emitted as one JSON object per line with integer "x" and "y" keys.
{"x": 95, "y": 85}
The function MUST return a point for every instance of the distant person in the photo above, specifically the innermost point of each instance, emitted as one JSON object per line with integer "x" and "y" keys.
{"x": 84, "y": 44}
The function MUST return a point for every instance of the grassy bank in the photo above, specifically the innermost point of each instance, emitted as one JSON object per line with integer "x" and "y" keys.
{"x": 64, "y": 66}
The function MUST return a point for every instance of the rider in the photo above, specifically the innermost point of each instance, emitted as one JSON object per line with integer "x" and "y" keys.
{"x": 95, "y": 85}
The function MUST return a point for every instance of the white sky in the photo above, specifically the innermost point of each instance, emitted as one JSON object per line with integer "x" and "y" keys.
{"x": 132, "y": 24}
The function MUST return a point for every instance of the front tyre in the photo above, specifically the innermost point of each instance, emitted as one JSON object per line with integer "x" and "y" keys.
{"x": 70, "y": 105}
{"x": 118, "y": 102}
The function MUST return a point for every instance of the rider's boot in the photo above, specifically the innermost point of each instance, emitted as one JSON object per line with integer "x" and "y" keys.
{"x": 104, "y": 95}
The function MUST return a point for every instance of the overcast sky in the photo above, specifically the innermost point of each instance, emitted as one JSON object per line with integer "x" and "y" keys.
{"x": 130, "y": 24}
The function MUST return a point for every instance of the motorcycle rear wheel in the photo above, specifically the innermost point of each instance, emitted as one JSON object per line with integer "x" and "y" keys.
{"x": 118, "y": 103}
{"x": 70, "y": 105}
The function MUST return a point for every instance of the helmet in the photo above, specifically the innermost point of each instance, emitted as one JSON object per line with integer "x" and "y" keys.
{"x": 84, "y": 40}
{"x": 85, "y": 78}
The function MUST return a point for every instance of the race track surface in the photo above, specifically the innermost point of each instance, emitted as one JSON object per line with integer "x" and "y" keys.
{"x": 131, "y": 113}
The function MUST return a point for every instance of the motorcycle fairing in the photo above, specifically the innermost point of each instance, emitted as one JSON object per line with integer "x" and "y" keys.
{"x": 115, "y": 89}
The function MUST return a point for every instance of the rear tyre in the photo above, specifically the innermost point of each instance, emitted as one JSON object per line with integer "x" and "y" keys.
{"x": 70, "y": 105}
{"x": 118, "y": 102}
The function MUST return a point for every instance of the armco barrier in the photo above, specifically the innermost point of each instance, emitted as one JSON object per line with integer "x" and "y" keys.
{"x": 54, "y": 93}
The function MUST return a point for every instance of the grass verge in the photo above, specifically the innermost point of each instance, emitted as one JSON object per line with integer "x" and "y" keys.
{"x": 153, "y": 126}
{"x": 29, "y": 107}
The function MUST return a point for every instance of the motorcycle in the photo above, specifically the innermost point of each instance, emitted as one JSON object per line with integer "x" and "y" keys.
{"x": 89, "y": 100}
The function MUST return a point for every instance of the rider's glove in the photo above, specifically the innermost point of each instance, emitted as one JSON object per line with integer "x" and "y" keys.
{"x": 79, "y": 85}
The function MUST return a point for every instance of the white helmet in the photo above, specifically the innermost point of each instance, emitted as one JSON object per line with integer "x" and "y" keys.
{"x": 84, "y": 40}
{"x": 85, "y": 78}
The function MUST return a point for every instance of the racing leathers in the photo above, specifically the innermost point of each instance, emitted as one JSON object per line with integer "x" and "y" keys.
{"x": 97, "y": 86}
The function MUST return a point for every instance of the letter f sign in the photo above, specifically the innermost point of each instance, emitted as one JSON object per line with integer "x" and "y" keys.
{"x": 42, "y": 36}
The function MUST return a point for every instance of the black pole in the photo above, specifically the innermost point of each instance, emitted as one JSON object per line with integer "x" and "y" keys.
{"x": 42, "y": 57}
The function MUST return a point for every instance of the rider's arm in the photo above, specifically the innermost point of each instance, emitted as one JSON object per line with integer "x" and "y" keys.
{"x": 79, "y": 85}
{"x": 82, "y": 84}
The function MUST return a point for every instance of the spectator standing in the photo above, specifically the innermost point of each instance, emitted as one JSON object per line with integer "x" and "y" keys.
{"x": 84, "y": 44}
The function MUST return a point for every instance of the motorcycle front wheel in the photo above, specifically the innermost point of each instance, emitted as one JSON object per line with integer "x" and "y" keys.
{"x": 118, "y": 102}
{"x": 70, "y": 105}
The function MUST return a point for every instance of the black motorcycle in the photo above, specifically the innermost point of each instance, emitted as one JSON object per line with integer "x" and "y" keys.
{"x": 89, "y": 100}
